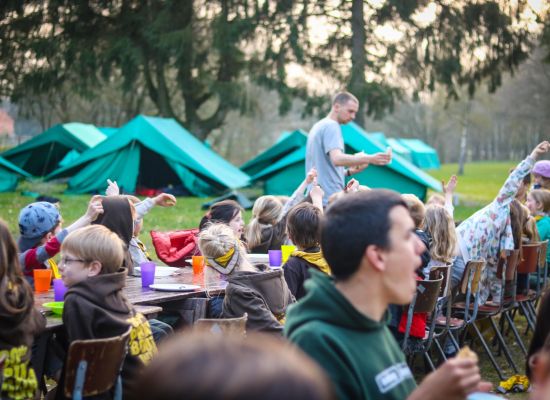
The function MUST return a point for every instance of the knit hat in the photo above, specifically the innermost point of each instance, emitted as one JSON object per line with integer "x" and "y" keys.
{"x": 542, "y": 168}
{"x": 35, "y": 220}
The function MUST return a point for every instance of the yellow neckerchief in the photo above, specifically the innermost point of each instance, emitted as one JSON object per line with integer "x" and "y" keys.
{"x": 316, "y": 259}
{"x": 225, "y": 264}
{"x": 142, "y": 247}
{"x": 54, "y": 268}
{"x": 538, "y": 217}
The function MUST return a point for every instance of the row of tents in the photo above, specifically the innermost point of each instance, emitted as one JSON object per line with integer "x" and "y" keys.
{"x": 151, "y": 152}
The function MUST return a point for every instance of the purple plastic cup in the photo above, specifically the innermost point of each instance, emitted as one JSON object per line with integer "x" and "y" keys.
{"x": 147, "y": 273}
{"x": 59, "y": 290}
{"x": 275, "y": 258}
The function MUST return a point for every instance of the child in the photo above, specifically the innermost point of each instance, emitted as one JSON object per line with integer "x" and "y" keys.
{"x": 417, "y": 210}
{"x": 19, "y": 323}
{"x": 541, "y": 174}
{"x": 264, "y": 296}
{"x": 220, "y": 367}
{"x": 538, "y": 203}
{"x": 95, "y": 306}
{"x": 137, "y": 249}
{"x": 440, "y": 228}
{"x": 303, "y": 226}
{"x": 42, "y": 234}
{"x": 227, "y": 212}
{"x": 267, "y": 229}
{"x": 493, "y": 229}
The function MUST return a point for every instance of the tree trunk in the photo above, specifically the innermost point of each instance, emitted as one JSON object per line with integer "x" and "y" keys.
{"x": 463, "y": 143}
{"x": 358, "y": 59}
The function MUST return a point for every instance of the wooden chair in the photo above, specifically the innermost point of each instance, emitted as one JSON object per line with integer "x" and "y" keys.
{"x": 93, "y": 366}
{"x": 233, "y": 326}
{"x": 424, "y": 301}
{"x": 528, "y": 265}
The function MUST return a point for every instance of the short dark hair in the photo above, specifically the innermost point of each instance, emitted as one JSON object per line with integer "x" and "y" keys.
{"x": 202, "y": 365}
{"x": 303, "y": 223}
{"x": 354, "y": 222}
{"x": 343, "y": 97}
{"x": 221, "y": 212}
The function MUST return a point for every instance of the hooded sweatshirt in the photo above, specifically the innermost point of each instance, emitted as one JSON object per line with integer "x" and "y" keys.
{"x": 264, "y": 296}
{"x": 360, "y": 355}
{"x": 17, "y": 331}
{"x": 96, "y": 308}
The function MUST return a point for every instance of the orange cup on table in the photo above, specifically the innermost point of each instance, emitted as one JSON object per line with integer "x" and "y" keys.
{"x": 198, "y": 265}
{"x": 42, "y": 280}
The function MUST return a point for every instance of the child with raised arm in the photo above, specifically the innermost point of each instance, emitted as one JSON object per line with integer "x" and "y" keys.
{"x": 40, "y": 226}
{"x": 267, "y": 229}
{"x": 95, "y": 306}
{"x": 494, "y": 229}
{"x": 20, "y": 321}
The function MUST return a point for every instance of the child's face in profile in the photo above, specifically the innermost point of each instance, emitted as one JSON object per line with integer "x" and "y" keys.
{"x": 73, "y": 269}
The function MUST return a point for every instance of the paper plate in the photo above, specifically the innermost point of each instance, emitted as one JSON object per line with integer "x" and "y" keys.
{"x": 55, "y": 307}
{"x": 161, "y": 271}
{"x": 174, "y": 287}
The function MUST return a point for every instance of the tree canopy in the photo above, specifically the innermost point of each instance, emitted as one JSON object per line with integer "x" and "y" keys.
{"x": 193, "y": 58}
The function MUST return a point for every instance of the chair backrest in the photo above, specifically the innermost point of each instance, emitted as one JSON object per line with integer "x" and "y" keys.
{"x": 445, "y": 272}
{"x": 542, "y": 253}
{"x": 474, "y": 267}
{"x": 93, "y": 366}
{"x": 530, "y": 258}
{"x": 509, "y": 264}
{"x": 427, "y": 292}
{"x": 234, "y": 326}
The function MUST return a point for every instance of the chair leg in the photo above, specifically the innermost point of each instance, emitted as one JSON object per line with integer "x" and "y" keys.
{"x": 79, "y": 380}
{"x": 503, "y": 346}
{"x": 517, "y": 336}
{"x": 429, "y": 360}
{"x": 530, "y": 323}
{"x": 118, "y": 389}
{"x": 440, "y": 349}
{"x": 454, "y": 341}
{"x": 488, "y": 352}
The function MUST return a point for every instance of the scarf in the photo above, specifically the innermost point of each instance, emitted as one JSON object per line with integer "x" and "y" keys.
{"x": 316, "y": 259}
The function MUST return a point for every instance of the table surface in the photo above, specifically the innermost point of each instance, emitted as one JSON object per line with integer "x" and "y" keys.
{"x": 140, "y": 296}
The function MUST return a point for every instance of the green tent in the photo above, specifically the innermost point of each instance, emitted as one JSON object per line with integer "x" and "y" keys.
{"x": 282, "y": 177}
{"x": 423, "y": 156}
{"x": 152, "y": 152}
{"x": 42, "y": 154}
{"x": 286, "y": 144}
{"x": 397, "y": 148}
{"x": 9, "y": 175}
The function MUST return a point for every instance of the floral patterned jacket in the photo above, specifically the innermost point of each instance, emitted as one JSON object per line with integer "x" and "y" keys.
{"x": 488, "y": 231}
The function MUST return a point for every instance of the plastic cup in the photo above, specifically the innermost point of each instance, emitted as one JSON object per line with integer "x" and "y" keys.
{"x": 198, "y": 265}
{"x": 42, "y": 280}
{"x": 59, "y": 290}
{"x": 287, "y": 250}
{"x": 147, "y": 273}
{"x": 275, "y": 258}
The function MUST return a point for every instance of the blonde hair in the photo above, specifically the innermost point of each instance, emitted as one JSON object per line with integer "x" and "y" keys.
{"x": 441, "y": 227}
{"x": 436, "y": 199}
{"x": 96, "y": 243}
{"x": 215, "y": 241}
{"x": 416, "y": 208}
{"x": 542, "y": 197}
{"x": 265, "y": 213}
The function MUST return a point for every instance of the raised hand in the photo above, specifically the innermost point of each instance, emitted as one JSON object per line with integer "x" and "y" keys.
{"x": 112, "y": 188}
{"x": 541, "y": 148}
{"x": 451, "y": 186}
{"x": 95, "y": 207}
{"x": 165, "y": 200}
{"x": 311, "y": 176}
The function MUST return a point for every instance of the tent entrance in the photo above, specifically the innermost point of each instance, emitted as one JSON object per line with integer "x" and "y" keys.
{"x": 154, "y": 171}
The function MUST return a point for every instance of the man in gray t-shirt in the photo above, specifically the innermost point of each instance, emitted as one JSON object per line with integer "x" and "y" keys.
{"x": 325, "y": 148}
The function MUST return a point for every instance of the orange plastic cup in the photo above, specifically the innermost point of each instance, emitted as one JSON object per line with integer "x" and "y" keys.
{"x": 198, "y": 265}
{"x": 42, "y": 280}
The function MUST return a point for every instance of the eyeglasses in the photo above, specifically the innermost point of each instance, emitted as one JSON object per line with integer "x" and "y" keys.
{"x": 65, "y": 260}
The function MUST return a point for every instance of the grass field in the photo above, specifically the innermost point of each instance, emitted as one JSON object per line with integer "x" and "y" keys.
{"x": 476, "y": 188}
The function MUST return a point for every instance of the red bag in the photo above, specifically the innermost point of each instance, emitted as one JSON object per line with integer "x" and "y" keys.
{"x": 174, "y": 247}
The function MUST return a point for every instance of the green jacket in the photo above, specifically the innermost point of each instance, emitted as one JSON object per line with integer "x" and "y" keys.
{"x": 360, "y": 355}
{"x": 543, "y": 226}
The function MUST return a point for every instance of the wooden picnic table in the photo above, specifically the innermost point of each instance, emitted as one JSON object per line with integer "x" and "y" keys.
{"x": 144, "y": 298}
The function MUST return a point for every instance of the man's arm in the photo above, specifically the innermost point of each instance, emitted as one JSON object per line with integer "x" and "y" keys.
{"x": 340, "y": 159}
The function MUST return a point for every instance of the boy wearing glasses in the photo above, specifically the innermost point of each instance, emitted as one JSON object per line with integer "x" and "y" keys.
{"x": 95, "y": 306}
